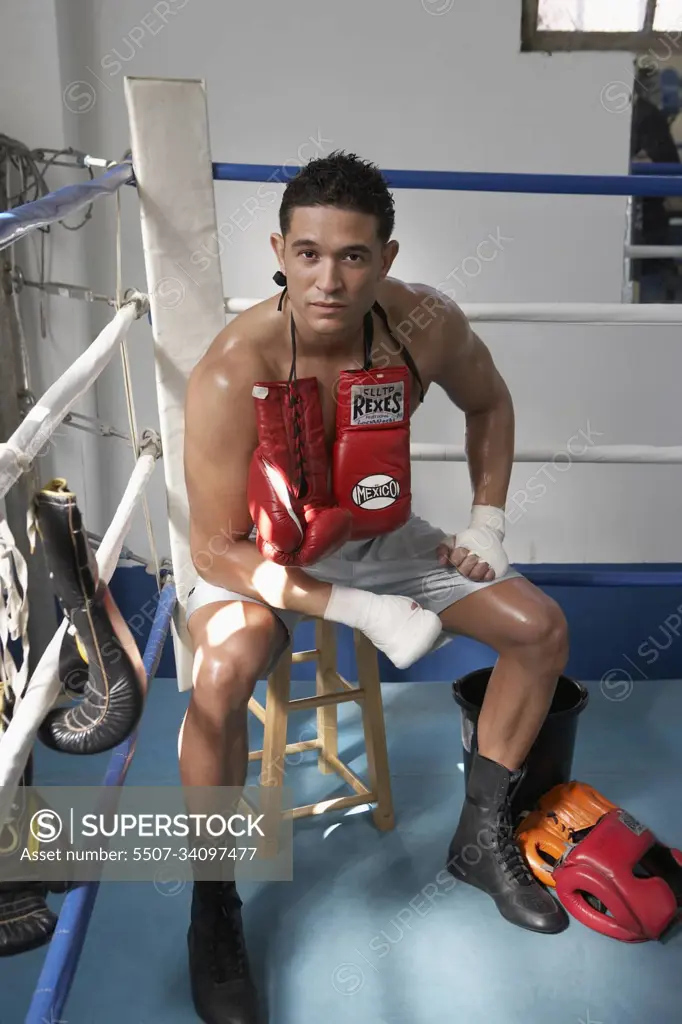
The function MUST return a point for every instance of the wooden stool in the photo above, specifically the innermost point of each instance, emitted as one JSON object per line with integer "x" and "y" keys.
{"x": 331, "y": 689}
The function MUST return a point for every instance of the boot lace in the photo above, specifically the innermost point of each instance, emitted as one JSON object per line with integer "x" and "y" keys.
{"x": 507, "y": 850}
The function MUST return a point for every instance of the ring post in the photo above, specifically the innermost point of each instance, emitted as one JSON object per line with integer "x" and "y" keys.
{"x": 172, "y": 165}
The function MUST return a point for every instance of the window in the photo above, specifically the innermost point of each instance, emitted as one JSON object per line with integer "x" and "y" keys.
{"x": 639, "y": 26}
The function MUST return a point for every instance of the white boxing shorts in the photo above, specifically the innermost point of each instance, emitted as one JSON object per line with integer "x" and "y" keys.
{"x": 402, "y": 562}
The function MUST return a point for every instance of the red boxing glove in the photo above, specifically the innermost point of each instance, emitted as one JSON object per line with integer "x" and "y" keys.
{"x": 289, "y": 497}
{"x": 620, "y": 881}
{"x": 371, "y": 467}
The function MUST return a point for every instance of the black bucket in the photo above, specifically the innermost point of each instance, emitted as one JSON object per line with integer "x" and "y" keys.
{"x": 550, "y": 760}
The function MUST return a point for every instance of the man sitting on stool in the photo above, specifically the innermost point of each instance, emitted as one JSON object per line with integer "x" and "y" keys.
{"x": 275, "y": 438}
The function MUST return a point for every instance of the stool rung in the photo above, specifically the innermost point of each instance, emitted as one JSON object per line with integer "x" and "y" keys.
{"x": 322, "y": 806}
{"x": 257, "y": 709}
{"x": 346, "y": 773}
{"x": 318, "y": 701}
{"x": 298, "y": 656}
{"x": 291, "y": 748}
{"x": 321, "y": 699}
{"x": 338, "y": 680}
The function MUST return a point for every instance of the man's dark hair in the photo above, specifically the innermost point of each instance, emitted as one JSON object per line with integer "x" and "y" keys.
{"x": 342, "y": 180}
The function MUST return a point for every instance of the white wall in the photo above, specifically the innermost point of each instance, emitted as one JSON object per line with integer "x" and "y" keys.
{"x": 407, "y": 87}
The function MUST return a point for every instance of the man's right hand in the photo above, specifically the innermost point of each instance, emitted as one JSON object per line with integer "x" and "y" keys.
{"x": 290, "y": 501}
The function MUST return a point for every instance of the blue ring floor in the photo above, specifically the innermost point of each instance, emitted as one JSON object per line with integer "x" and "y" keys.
{"x": 360, "y": 935}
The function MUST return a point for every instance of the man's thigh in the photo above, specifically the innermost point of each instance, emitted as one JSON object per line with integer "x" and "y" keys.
{"x": 516, "y": 614}
{"x": 204, "y": 595}
{"x": 405, "y": 562}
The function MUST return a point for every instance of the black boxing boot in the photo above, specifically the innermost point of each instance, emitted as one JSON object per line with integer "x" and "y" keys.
{"x": 222, "y": 988}
{"x": 484, "y": 853}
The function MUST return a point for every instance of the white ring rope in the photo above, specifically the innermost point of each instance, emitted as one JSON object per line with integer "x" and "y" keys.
{"x": 653, "y": 252}
{"x": 644, "y": 454}
{"x": 44, "y": 686}
{"x": 573, "y": 313}
{"x": 541, "y": 312}
{"x": 550, "y": 312}
{"x": 109, "y": 551}
{"x": 17, "y": 455}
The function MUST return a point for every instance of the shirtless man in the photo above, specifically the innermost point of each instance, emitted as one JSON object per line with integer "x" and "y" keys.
{"x": 335, "y": 252}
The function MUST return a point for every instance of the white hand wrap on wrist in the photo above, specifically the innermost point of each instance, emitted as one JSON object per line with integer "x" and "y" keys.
{"x": 490, "y": 516}
{"x": 484, "y": 536}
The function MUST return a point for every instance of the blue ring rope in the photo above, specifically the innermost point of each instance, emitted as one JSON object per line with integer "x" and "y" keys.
{"x": 475, "y": 181}
{"x": 55, "y": 206}
{"x": 63, "y": 953}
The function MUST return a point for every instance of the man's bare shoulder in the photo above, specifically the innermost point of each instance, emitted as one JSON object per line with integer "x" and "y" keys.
{"x": 419, "y": 309}
{"x": 241, "y": 352}
{"x": 454, "y": 356}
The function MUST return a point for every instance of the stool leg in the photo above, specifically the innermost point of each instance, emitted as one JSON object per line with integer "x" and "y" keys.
{"x": 275, "y": 727}
{"x": 274, "y": 752}
{"x": 327, "y": 717}
{"x": 375, "y": 731}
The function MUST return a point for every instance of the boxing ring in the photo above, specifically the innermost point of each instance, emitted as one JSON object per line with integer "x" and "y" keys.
{"x": 172, "y": 170}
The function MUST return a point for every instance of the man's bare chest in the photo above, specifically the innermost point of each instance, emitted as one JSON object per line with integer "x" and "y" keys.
{"x": 374, "y": 391}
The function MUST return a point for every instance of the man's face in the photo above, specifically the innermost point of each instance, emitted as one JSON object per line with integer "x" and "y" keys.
{"x": 333, "y": 261}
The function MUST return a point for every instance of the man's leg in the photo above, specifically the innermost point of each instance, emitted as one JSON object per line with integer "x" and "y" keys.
{"x": 528, "y": 631}
{"x": 396, "y": 625}
{"x": 234, "y": 642}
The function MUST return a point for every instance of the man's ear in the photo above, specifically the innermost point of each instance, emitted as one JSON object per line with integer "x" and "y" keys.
{"x": 277, "y": 243}
{"x": 388, "y": 256}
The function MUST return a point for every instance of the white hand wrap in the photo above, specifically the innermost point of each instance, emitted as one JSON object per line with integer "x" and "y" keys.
{"x": 484, "y": 536}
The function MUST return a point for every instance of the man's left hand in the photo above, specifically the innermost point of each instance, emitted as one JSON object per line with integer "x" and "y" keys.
{"x": 477, "y": 552}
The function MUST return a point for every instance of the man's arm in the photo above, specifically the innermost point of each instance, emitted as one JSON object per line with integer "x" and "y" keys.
{"x": 221, "y": 436}
{"x": 466, "y": 372}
